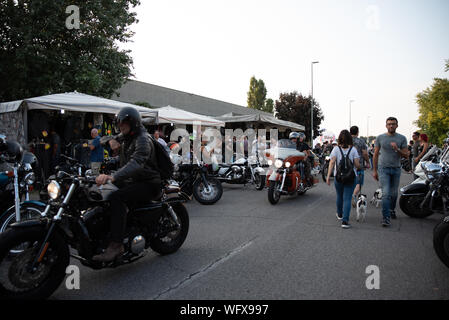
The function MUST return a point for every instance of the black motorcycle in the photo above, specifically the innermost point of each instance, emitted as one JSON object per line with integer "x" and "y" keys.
{"x": 16, "y": 184}
{"x": 243, "y": 172}
{"x": 325, "y": 160}
{"x": 194, "y": 180}
{"x": 34, "y": 254}
{"x": 422, "y": 198}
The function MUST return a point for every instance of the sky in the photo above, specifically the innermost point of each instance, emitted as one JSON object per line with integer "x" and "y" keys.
{"x": 378, "y": 53}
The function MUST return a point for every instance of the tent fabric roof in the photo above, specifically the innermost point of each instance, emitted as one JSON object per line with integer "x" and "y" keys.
{"x": 170, "y": 114}
{"x": 261, "y": 118}
{"x": 75, "y": 101}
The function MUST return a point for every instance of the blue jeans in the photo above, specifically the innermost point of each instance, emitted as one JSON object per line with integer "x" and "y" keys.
{"x": 389, "y": 182}
{"x": 344, "y": 196}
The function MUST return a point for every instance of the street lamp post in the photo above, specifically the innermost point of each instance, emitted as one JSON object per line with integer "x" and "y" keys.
{"x": 350, "y": 101}
{"x": 367, "y": 129}
{"x": 311, "y": 108}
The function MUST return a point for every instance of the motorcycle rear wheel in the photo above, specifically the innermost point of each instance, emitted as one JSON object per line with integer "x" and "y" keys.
{"x": 441, "y": 241}
{"x": 173, "y": 240}
{"x": 16, "y": 281}
{"x": 410, "y": 205}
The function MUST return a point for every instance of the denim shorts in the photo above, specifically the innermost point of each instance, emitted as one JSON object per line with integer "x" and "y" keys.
{"x": 360, "y": 179}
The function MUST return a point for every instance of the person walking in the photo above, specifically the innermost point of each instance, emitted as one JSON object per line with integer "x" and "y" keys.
{"x": 423, "y": 147}
{"x": 387, "y": 167}
{"x": 96, "y": 152}
{"x": 362, "y": 150}
{"x": 344, "y": 190}
{"x": 415, "y": 153}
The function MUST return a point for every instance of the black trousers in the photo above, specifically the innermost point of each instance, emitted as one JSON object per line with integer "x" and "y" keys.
{"x": 123, "y": 198}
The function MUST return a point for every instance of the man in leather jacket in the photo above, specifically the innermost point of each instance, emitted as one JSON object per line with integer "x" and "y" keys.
{"x": 302, "y": 146}
{"x": 138, "y": 178}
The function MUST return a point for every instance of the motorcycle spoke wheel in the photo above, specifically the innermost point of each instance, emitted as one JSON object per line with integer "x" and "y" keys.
{"x": 17, "y": 279}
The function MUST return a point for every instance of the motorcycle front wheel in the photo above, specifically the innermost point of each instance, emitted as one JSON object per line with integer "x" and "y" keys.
{"x": 273, "y": 193}
{"x": 28, "y": 211}
{"x": 441, "y": 241}
{"x": 324, "y": 171}
{"x": 259, "y": 181}
{"x": 410, "y": 205}
{"x": 173, "y": 240}
{"x": 205, "y": 196}
{"x": 17, "y": 281}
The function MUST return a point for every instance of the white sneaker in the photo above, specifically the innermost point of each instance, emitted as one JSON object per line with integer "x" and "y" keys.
{"x": 339, "y": 217}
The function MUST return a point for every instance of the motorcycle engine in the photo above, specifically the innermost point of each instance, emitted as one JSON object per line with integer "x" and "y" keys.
{"x": 237, "y": 172}
{"x": 135, "y": 242}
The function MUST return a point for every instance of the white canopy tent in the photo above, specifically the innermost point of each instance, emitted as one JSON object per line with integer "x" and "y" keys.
{"x": 173, "y": 115}
{"x": 71, "y": 101}
{"x": 261, "y": 118}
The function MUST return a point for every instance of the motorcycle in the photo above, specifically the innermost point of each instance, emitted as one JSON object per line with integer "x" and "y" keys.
{"x": 422, "y": 198}
{"x": 325, "y": 166}
{"x": 288, "y": 177}
{"x": 242, "y": 171}
{"x": 16, "y": 185}
{"x": 34, "y": 254}
{"x": 194, "y": 180}
{"x": 432, "y": 156}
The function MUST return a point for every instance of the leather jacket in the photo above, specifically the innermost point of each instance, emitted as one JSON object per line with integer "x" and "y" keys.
{"x": 137, "y": 159}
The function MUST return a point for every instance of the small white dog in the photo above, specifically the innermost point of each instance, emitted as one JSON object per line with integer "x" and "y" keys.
{"x": 361, "y": 207}
{"x": 377, "y": 198}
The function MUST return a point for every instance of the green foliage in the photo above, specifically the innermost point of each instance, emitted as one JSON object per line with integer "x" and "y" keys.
{"x": 40, "y": 55}
{"x": 257, "y": 96}
{"x": 143, "y": 104}
{"x": 434, "y": 111}
{"x": 269, "y": 105}
{"x": 295, "y": 107}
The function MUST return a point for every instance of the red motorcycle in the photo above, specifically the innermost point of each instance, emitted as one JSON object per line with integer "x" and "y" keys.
{"x": 287, "y": 173}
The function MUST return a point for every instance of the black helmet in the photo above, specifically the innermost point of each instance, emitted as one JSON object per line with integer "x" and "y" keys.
{"x": 131, "y": 115}
{"x": 293, "y": 135}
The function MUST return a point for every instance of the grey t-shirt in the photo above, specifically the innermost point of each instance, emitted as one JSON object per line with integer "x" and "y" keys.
{"x": 360, "y": 145}
{"x": 388, "y": 158}
{"x": 415, "y": 149}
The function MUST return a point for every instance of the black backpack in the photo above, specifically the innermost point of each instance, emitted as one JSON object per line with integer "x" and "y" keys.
{"x": 164, "y": 163}
{"x": 345, "y": 169}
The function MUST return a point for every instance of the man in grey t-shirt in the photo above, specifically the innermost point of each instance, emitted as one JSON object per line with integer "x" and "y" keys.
{"x": 387, "y": 167}
{"x": 415, "y": 150}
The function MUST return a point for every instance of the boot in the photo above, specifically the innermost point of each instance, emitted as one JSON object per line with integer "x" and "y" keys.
{"x": 114, "y": 250}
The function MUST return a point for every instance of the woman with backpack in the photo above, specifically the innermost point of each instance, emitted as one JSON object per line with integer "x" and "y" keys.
{"x": 346, "y": 160}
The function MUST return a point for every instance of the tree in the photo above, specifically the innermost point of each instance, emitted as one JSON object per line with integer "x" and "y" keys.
{"x": 257, "y": 96}
{"x": 40, "y": 55}
{"x": 434, "y": 110}
{"x": 269, "y": 105}
{"x": 143, "y": 104}
{"x": 295, "y": 107}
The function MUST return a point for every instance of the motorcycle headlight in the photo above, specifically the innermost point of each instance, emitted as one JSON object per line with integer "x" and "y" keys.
{"x": 288, "y": 164}
{"x": 270, "y": 162}
{"x": 278, "y": 163}
{"x": 54, "y": 190}
{"x": 328, "y": 158}
{"x": 30, "y": 178}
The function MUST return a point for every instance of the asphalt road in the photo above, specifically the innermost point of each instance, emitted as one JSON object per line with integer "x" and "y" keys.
{"x": 245, "y": 248}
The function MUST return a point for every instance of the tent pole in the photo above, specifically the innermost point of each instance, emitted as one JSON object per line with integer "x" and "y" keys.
{"x": 25, "y": 123}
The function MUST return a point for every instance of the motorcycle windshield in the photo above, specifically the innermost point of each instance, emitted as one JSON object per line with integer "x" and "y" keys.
{"x": 282, "y": 153}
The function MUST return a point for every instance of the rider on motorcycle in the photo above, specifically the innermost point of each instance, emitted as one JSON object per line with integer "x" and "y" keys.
{"x": 138, "y": 178}
{"x": 299, "y": 138}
